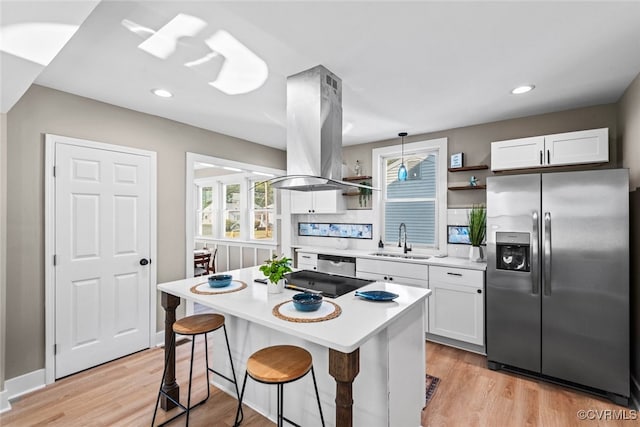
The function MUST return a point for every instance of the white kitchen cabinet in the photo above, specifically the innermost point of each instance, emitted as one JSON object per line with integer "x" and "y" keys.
{"x": 570, "y": 148}
{"x": 517, "y": 153}
{"x": 307, "y": 261}
{"x": 456, "y": 305}
{"x": 404, "y": 273}
{"x": 318, "y": 202}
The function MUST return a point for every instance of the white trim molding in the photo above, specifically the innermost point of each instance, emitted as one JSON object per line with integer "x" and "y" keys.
{"x": 4, "y": 401}
{"x": 377, "y": 157}
{"x": 18, "y": 386}
{"x": 49, "y": 239}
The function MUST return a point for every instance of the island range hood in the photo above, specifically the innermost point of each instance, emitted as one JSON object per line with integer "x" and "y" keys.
{"x": 314, "y": 133}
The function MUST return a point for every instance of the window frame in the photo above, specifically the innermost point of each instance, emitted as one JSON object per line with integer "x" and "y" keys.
{"x": 379, "y": 155}
{"x": 218, "y": 184}
{"x": 253, "y": 210}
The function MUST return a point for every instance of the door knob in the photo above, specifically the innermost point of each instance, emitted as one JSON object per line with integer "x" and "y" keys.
{"x": 144, "y": 261}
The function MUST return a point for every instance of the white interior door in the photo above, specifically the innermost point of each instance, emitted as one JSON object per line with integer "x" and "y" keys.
{"x": 102, "y": 232}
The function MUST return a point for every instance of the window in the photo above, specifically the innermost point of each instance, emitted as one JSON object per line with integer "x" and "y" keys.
{"x": 236, "y": 207}
{"x": 205, "y": 211}
{"x": 420, "y": 201}
{"x": 262, "y": 210}
{"x": 232, "y": 217}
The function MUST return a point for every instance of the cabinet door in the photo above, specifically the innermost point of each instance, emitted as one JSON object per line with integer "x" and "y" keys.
{"x": 457, "y": 312}
{"x": 301, "y": 202}
{"x": 307, "y": 261}
{"x": 331, "y": 201}
{"x": 589, "y": 146}
{"x": 323, "y": 202}
{"x": 517, "y": 153}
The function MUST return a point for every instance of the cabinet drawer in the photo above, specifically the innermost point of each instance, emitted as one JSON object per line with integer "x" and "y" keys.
{"x": 393, "y": 268}
{"x": 456, "y": 276}
{"x": 307, "y": 258}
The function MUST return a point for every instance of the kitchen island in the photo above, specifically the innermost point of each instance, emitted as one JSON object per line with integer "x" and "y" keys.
{"x": 380, "y": 345}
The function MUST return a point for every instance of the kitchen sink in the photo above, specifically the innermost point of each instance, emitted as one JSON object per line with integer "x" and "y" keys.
{"x": 401, "y": 256}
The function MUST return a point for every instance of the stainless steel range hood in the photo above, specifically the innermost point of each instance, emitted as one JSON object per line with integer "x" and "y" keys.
{"x": 314, "y": 133}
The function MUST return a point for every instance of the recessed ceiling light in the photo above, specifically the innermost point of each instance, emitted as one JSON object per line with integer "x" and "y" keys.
{"x": 522, "y": 89}
{"x": 162, "y": 93}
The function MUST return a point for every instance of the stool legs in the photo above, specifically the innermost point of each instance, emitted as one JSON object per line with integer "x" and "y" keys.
{"x": 280, "y": 398}
{"x": 187, "y": 409}
{"x": 315, "y": 386}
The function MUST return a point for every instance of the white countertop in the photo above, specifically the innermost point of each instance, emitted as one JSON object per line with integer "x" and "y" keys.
{"x": 444, "y": 262}
{"x": 345, "y": 333}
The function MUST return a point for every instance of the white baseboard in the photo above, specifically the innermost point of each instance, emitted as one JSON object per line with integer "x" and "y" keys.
{"x": 4, "y": 401}
{"x": 16, "y": 387}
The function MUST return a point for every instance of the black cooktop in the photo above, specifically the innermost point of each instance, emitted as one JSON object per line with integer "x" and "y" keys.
{"x": 330, "y": 285}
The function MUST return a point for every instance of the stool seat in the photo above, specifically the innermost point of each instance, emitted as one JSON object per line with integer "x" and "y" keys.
{"x": 198, "y": 324}
{"x": 279, "y": 364}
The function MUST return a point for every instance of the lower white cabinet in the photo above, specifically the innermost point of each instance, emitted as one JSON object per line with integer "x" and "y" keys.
{"x": 307, "y": 261}
{"x": 395, "y": 271}
{"x": 456, "y": 304}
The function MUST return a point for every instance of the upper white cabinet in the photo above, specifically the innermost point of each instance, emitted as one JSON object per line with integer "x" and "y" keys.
{"x": 319, "y": 202}
{"x": 571, "y": 148}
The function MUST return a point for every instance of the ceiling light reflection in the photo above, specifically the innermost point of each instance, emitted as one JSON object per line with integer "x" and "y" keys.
{"x": 164, "y": 41}
{"x": 242, "y": 70}
{"x": 37, "y": 42}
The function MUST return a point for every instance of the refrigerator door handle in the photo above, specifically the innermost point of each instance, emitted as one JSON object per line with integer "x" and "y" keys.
{"x": 535, "y": 244}
{"x": 547, "y": 254}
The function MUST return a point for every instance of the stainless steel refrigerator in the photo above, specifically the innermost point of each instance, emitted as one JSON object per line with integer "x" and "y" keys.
{"x": 557, "y": 297}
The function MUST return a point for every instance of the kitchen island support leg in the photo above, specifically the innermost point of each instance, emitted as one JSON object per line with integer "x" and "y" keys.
{"x": 344, "y": 368}
{"x": 170, "y": 386}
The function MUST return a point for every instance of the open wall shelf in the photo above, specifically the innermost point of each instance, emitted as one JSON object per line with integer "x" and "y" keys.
{"x": 469, "y": 168}
{"x": 468, "y": 187}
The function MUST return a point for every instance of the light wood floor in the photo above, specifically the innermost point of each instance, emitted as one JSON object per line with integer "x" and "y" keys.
{"x": 123, "y": 392}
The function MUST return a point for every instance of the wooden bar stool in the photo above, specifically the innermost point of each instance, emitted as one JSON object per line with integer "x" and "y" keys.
{"x": 279, "y": 365}
{"x": 199, "y": 324}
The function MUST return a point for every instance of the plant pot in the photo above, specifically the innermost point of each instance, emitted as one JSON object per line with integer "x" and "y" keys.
{"x": 275, "y": 288}
{"x": 475, "y": 254}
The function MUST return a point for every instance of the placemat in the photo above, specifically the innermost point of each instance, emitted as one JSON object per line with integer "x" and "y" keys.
{"x": 286, "y": 311}
{"x": 203, "y": 288}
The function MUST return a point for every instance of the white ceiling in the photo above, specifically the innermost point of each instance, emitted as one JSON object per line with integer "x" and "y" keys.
{"x": 405, "y": 66}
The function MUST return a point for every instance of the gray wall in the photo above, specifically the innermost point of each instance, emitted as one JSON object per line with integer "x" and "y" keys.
{"x": 475, "y": 143}
{"x": 3, "y": 242}
{"x": 629, "y": 131}
{"x": 42, "y": 110}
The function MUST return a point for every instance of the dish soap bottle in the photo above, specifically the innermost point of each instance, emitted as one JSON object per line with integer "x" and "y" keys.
{"x": 380, "y": 244}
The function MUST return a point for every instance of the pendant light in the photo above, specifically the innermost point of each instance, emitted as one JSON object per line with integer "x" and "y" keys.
{"x": 402, "y": 171}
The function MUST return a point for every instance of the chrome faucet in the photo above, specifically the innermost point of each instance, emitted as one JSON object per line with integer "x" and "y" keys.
{"x": 405, "y": 249}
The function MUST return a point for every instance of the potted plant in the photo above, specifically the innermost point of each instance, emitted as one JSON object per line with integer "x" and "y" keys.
{"x": 275, "y": 269}
{"x": 364, "y": 194}
{"x": 477, "y": 231}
